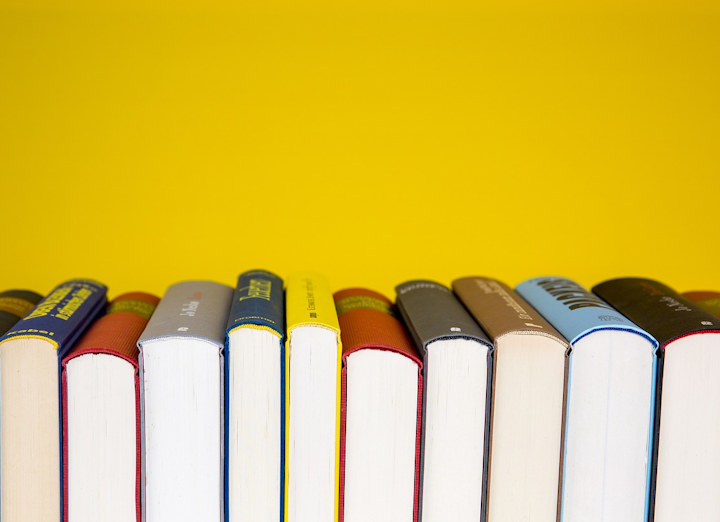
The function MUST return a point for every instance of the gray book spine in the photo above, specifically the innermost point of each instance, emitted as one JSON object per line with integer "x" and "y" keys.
{"x": 431, "y": 312}
{"x": 191, "y": 309}
{"x": 188, "y": 310}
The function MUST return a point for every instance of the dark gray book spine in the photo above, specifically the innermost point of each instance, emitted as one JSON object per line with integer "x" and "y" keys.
{"x": 656, "y": 308}
{"x": 431, "y": 313}
{"x": 14, "y": 305}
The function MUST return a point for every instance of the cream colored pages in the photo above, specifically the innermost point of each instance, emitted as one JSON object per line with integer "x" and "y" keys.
{"x": 29, "y": 427}
{"x": 526, "y": 429}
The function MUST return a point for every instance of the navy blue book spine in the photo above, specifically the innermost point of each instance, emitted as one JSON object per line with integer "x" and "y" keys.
{"x": 63, "y": 315}
{"x": 259, "y": 300}
{"x": 61, "y": 318}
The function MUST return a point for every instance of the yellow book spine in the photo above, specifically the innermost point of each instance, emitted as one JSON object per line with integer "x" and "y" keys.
{"x": 309, "y": 302}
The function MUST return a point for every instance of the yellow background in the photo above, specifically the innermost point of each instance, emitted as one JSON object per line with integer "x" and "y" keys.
{"x": 372, "y": 141}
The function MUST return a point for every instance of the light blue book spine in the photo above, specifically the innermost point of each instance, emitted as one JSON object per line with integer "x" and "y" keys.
{"x": 575, "y": 313}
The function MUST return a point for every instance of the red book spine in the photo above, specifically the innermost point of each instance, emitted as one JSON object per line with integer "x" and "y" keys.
{"x": 707, "y": 299}
{"x": 367, "y": 321}
{"x": 116, "y": 333}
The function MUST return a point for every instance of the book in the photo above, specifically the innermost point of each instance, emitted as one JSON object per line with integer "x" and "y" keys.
{"x": 30, "y": 413}
{"x": 526, "y": 427}
{"x": 610, "y": 403}
{"x": 456, "y": 356}
{"x": 688, "y": 447}
{"x": 14, "y": 305}
{"x": 101, "y": 415}
{"x": 381, "y": 411}
{"x": 707, "y": 300}
{"x": 182, "y": 413}
{"x": 312, "y": 394}
{"x": 255, "y": 399}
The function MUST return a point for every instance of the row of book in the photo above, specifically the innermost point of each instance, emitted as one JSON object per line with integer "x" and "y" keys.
{"x": 284, "y": 401}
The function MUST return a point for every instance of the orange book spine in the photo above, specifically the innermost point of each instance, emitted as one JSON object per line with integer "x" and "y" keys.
{"x": 115, "y": 333}
{"x": 368, "y": 321}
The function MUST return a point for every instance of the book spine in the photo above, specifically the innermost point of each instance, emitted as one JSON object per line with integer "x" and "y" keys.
{"x": 63, "y": 315}
{"x": 14, "y": 305}
{"x": 309, "y": 302}
{"x": 191, "y": 309}
{"x": 367, "y": 321}
{"x": 431, "y": 312}
{"x": 500, "y": 310}
{"x": 119, "y": 329}
{"x": 188, "y": 310}
{"x": 573, "y": 310}
{"x": 656, "y": 308}
{"x": 707, "y": 300}
{"x": 258, "y": 301}
{"x": 115, "y": 333}
{"x": 60, "y": 318}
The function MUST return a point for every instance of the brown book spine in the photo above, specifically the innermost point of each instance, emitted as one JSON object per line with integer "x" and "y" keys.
{"x": 500, "y": 310}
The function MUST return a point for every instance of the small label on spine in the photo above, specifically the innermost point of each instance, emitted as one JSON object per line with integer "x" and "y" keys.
{"x": 354, "y": 302}
{"x": 134, "y": 306}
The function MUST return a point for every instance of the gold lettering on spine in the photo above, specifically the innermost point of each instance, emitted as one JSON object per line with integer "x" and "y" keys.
{"x": 258, "y": 289}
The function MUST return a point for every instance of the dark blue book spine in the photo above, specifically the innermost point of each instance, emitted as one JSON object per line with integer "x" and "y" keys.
{"x": 61, "y": 318}
{"x": 63, "y": 315}
{"x": 259, "y": 300}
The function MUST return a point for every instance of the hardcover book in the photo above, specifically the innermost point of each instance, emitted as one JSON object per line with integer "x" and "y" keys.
{"x": 14, "y": 305}
{"x": 101, "y": 415}
{"x": 381, "y": 412}
{"x": 688, "y": 447}
{"x": 30, "y": 414}
{"x": 312, "y": 393}
{"x": 526, "y": 425}
{"x": 456, "y": 356}
{"x": 610, "y": 403}
{"x": 255, "y": 399}
{"x": 181, "y": 365}
{"x": 707, "y": 300}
